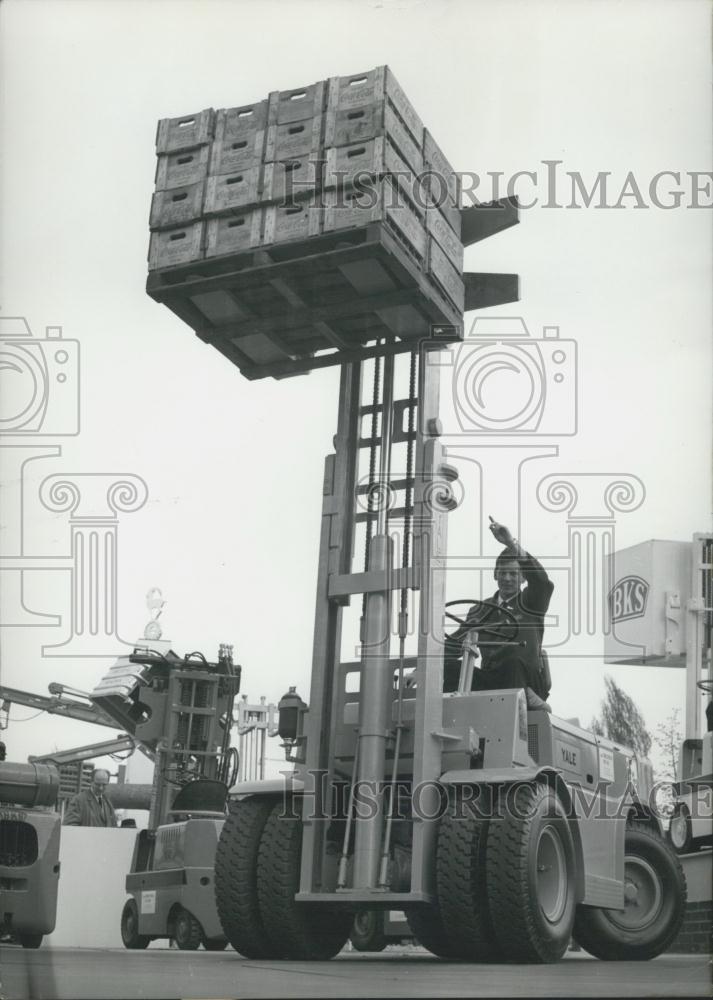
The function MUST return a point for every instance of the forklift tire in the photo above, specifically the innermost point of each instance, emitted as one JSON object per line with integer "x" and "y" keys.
{"x": 215, "y": 944}
{"x": 427, "y": 927}
{"x": 462, "y": 890}
{"x": 187, "y": 932}
{"x": 367, "y": 932}
{"x": 654, "y": 907}
{"x": 305, "y": 932}
{"x": 530, "y": 875}
{"x": 680, "y": 831}
{"x": 30, "y": 940}
{"x": 130, "y": 927}
{"x": 236, "y": 878}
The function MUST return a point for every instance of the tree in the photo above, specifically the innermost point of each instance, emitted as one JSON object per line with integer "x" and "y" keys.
{"x": 621, "y": 721}
{"x": 668, "y": 739}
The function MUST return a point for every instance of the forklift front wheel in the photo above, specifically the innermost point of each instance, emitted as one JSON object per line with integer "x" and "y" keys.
{"x": 187, "y": 932}
{"x": 530, "y": 869}
{"x": 368, "y": 931}
{"x": 130, "y": 927}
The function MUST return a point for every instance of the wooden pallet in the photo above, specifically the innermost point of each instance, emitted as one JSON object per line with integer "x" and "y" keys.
{"x": 287, "y": 309}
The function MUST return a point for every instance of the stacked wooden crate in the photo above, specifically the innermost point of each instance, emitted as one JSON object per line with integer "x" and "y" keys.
{"x": 300, "y": 230}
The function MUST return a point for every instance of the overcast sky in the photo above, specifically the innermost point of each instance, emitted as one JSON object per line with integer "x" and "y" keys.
{"x": 234, "y": 468}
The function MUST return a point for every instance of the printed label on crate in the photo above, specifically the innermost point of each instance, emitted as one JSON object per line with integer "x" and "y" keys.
{"x": 235, "y": 151}
{"x": 301, "y": 138}
{"x": 404, "y": 107}
{"x": 444, "y": 235}
{"x": 298, "y": 220}
{"x": 435, "y": 160}
{"x": 186, "y": 166}
{"x": 291, "y": 179}
{"x": 233, "y": 233}
{"x": 179, "y": 205}
{"x": 373, "y": 157}
{"x": 440, "y": 268}
{"x": 401, "y": 213}
{"x": 358, "y": 89}
{"x": 182, "y": 245}
{"x": 232, "y": 190}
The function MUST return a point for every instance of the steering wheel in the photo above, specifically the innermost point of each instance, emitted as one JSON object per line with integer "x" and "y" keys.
{"x": 480, "y": 620}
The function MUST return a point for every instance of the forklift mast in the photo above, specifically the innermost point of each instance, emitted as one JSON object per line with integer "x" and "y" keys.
{"x": 426, "y": 496}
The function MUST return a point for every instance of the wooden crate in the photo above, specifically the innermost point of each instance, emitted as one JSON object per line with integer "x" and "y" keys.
{"x": 233, "y": 233}
{"x": 180, "y": 245}
{"x": 287, "y": 309}
{"x": 295, "y": 139}
{"x": 296, "y": 105}
{"x": 374, "y": 157}
{"x": 177, "y": 206}
{"x": 237, "y": 189}
{"x": 441, "y": 270}
{"x": 343, "y": 128}
{"x": 231, "y": 123}
{"x": 292, "y": 220}
{"x": 434, "y": 160}
{"x": 374, "y": 87}
{"x": 185, "y": 132}
{"x": 291, "y": 179}
{"x": 186, "y": 166}
{"x": 442, "y": 231}
{"x": 232, "y": 153}
{"x": 379, "y": 201}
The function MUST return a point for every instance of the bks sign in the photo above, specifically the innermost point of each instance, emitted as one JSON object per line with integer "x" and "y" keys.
{"x": 627, "y": 599}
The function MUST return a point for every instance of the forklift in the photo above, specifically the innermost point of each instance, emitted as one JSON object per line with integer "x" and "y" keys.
{"x": 500, "y": 832}
{"x": 180, "y": 710}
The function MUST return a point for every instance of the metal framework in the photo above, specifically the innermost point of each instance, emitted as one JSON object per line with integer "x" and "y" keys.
{"x": 362, "y": 746}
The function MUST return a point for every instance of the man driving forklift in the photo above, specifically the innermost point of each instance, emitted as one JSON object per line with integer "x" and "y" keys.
{"x": 508, "y": 660}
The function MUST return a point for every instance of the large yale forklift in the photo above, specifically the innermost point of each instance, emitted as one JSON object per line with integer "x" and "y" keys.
{"x": 500, "y": 831}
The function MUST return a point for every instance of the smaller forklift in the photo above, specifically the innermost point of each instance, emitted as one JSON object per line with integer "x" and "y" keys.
{"x": 180, "y": 709}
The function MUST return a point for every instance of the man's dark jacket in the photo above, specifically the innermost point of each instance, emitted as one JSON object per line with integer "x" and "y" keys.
{"x": 528, "y": 608}
{"x": 86, "y": 810}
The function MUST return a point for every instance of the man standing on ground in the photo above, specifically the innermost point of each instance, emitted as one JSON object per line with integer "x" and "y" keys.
{"x": 91, "y": 807}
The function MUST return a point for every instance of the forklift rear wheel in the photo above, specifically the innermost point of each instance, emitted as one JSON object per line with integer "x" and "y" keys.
{"x": 30, "y": 940}
{"x": 426, "y": 925}
{"x": 530, "y": 875}
{"x": 236, "y": 878}
{"x": 215, "y": 944}
{"x": 680, "y": 831}
{"x": 368, "y": 931}
{"x": 187, "y": 932}
{"x": 301, "y": 931}
{"x": 654, "y": 905}
{"x": 130, "y": 927}
{"x": 462, "y": 891}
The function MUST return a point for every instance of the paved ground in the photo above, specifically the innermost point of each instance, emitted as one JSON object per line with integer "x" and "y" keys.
{"x": 76, "y": 974}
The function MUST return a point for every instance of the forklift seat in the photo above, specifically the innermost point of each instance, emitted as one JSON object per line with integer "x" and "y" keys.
{"x": 204, "y": 795}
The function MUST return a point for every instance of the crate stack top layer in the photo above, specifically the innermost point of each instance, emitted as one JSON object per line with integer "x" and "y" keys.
{"x": 312, "y": 227}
